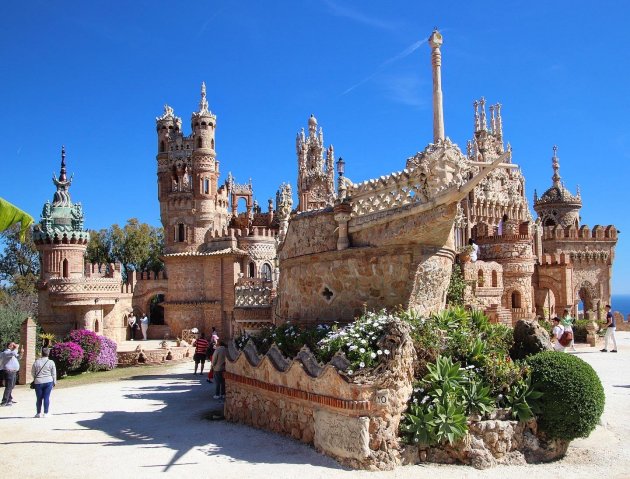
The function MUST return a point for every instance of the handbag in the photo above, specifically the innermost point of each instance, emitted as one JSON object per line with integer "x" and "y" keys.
{"x": 32, "y": 386}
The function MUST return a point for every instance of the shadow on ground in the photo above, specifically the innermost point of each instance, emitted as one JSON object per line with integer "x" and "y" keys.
{"x": 181, "y": 427}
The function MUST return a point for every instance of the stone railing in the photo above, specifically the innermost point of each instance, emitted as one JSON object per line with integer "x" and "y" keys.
{"x": 356, "y": 422}
{"x": 253, "y": 292}
{"x": 395, "y": 190}
{"x": 84, "y": 285}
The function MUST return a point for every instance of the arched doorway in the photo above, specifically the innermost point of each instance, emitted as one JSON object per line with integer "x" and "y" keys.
{"x": 156, "y": 309}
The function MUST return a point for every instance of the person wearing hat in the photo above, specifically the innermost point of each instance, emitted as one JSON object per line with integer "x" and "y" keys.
{"x": 44, "y": 375}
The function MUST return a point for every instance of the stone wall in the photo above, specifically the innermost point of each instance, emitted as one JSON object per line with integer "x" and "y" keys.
{"x": 338, "y": 285}
{"x": 356, "y": 422}
{"x": 154, "y": 356}
{"x": 498, "y": 440}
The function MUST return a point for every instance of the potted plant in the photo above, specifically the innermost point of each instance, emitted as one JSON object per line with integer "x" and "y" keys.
{"x": 465, "y": 253}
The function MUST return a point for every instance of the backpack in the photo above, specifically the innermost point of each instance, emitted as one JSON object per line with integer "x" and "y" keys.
{"x": 566, "y": 338}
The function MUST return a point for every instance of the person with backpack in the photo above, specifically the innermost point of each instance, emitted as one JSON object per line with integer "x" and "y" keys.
{"x": 557, "y": 333}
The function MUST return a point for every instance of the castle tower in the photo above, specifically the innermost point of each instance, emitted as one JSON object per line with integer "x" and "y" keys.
{"x": 60, "y": 237}
{"x": 190, "y": 201}
{"x": 557, "y": 206}
{"x": 316, "y": 187}
{"x": 435, "y": 42}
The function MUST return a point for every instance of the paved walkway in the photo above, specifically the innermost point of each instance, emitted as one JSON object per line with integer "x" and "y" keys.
{"x": 153, "y": 425}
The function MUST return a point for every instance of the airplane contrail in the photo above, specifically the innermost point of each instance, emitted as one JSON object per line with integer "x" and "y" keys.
{"x": 406, "y": 52}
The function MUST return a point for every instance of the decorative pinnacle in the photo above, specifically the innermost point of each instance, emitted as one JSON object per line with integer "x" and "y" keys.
{"x": 436, "y": 40}
{"x": 203, "y": 104}
{"x": 556, "y": 167}
{"x": 62, "y": 172}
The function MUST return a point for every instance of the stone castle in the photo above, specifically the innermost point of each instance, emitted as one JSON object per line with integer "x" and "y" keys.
{"x": 379, "y": 243}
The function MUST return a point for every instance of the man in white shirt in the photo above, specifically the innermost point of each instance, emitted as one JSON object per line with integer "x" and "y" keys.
{"x": 474, "y": 254}
{"x": 144, "y": 326}
{"x": 9, "y": 362}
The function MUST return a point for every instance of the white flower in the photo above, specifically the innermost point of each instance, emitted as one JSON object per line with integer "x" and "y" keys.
{"x": 349, "y": 372}
{"x": 361, "y": 350}
{"x": 362, "y": 364}
{"x": 386, "y": 351}
{"x": 372, "y": 355}
{"x": 379, "y": 352}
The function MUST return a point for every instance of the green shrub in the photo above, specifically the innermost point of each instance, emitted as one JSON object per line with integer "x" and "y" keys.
{"x": 579, "y": 330}
{"x": 573, "y": 396}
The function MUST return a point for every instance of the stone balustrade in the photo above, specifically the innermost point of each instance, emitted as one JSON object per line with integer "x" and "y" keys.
{"x": 84, "y": 286}
{"x": 253, "y": 292}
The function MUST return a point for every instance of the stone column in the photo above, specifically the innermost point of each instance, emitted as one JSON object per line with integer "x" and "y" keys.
{"x": 28, "y": 337}
{"x": 591, "y": 329}
{"x": 435, "y": 42}
{"x": 342, "y": 216}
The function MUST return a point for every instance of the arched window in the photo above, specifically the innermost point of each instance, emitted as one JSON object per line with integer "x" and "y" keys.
{"x": 96, "y": 326}
{"x": 206, "y": 186}
{"x": 64, "y": 269}
{"x": 162, "y": 146}
{"x": 516, "y": 300}
{"x": 480, "y": 278}
{"x": 181, "y": 233}
{"x": 495, "y": 279}
{"x": 251, "y": 270}
{"x": 265, "y": 272}
{"x": 199, "y": 142}
{"x": 212, "y": 143}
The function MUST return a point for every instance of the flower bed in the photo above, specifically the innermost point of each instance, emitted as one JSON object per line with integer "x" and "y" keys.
{"x": 396, "y": 388}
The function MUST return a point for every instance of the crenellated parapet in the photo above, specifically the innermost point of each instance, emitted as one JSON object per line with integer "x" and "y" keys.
{"x": 584, "y": 233}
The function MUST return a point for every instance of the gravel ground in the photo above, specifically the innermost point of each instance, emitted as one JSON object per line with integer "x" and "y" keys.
{"x": 154, "y": 425}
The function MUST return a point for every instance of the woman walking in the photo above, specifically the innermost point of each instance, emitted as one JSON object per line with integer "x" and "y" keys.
{"x": 44, "y": 375}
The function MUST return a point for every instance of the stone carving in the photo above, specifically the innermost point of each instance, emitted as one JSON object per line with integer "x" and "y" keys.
{"x": 342, "y": 436}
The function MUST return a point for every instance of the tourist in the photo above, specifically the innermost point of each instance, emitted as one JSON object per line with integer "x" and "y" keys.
{"x": 218, "y": 366}
{"x": 201, "y": 350}
{"x": 474, "y": 252}
{"x": 10, "y": 364}
{"x": 44, "y": 375}
{"x": 131, "y": 322}
{"x": 144, "y": 326}
{"x": 611, "y": 327}
{"x": 557, "y": 333}
{"x": 567, "y": 324}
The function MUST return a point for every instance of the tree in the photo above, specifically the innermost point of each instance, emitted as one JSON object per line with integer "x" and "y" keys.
{"x": 99, "y": 247}
{"x": 19, "y": 261}
{"x": 136, "y": 246}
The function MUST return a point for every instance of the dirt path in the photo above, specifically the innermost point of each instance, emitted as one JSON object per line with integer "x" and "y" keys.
{"x": 153, "y": 425}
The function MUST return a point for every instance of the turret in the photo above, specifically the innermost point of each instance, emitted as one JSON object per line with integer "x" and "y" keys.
{"x": 316, "y": 188}
{"x": 203, "y": 124}
{"x": 60, "y": 237}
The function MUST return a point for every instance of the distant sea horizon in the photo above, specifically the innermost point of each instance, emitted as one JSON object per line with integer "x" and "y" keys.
{"x": 621, "y": 303}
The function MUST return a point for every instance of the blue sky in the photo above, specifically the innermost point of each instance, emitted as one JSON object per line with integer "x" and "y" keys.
{"x": 94, "y": 75}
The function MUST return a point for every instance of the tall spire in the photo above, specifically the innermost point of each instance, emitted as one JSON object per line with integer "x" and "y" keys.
{"x": 556, "y": 167}
{"x": 482, "y": 106}
{"x": 62, "y": 195}
{"x": 435, "y": 41}
{"x": 203, "y": 104}
{"x": 62, "y": 172}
